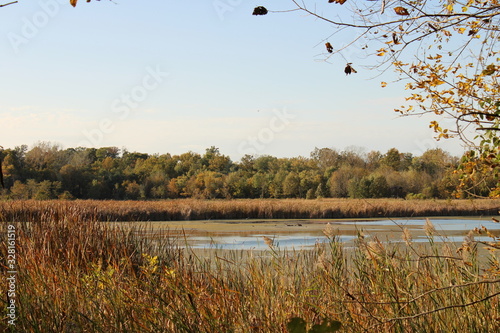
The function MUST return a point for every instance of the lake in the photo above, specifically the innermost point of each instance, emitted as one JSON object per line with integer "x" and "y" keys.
{"x": 304, "y": 234}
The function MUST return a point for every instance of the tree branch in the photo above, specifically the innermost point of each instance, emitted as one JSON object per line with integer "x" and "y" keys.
{"x": 10, "y": 3}
{"x": 478, "y": 15}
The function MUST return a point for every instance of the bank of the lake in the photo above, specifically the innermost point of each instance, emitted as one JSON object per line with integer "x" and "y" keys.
{"x": 193, "y": 209}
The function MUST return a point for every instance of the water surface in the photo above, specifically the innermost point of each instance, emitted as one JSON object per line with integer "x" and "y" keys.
{"x": 304, "y": 234}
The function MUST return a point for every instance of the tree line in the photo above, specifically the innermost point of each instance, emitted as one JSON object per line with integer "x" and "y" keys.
{"x": 47, "y": 171}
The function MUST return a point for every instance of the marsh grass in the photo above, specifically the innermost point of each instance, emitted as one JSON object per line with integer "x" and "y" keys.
{"x": 193, "y": 209}
{"x": 76, "y": 274}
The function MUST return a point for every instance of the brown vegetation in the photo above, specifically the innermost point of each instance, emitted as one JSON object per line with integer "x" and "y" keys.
{"x": 77, "y": 275}
{"x": 193, "y": 209}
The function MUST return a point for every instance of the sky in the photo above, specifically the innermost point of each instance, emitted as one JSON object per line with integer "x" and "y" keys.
{"x": 173, "y": 76}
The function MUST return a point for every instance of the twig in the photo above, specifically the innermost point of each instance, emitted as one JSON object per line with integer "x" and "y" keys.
{"x": 441, "y": 309}
{"x": 10, "y": 3}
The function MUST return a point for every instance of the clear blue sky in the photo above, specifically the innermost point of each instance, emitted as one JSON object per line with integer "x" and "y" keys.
{"x": 174, "y": 76}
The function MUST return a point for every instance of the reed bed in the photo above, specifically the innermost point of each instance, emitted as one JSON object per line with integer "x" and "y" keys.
{"x": 192, "y": 209}
{"x": 76, "y": 274}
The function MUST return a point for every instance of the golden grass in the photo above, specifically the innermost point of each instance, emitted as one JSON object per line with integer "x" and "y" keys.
{"x": 192, "y": 209}
{"x": 78, "y": 275}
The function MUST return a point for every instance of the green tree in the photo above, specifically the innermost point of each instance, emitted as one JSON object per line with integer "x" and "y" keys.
{"x": 392, "y": 159}
{"x": 46, "y": 190}
{"x": 188, "y": 164}
{"x": 213, "y": 160}
{"x": 266, "y": 164}
{"x": 291, "y": 185}
{"x": 276, "y": 185}
{"x": 368, "y": 187}
{"x": 379, "y": 187}
{"x": 74, "y": 180}
{"x": 19, "y": 191}
{"x": 260, "y": 183}
{"x": 13, "y": 165}
{"x": 237, "y": 185}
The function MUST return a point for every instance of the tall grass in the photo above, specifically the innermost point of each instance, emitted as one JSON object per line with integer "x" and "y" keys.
{"x": 193, "y": 209}
{"x": 76, "y": 274}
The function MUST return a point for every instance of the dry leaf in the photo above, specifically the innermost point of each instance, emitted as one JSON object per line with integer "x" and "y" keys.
{"x": 340, "y": 2}
{"x": 401, "y": 11}
{"x": 260, "y": 10}
{"x": 395, "y": 38}
{"x": 73, "y": 2}
{"x": 329, "y": 47}
{"x": 348, "y": 69}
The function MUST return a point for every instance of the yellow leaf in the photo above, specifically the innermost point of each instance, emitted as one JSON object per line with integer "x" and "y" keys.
{"x": 73, "y": 2}
{"x": 383, "y": 84}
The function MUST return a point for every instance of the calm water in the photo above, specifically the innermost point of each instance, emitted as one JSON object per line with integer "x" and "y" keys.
{"x": 453, "y": 230}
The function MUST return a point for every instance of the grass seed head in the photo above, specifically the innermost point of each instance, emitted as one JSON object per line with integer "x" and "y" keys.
{"x": 269, "y": 242}
{"x": 429, "y": 228}
{"x": 329, "y": 231}
{"x": 407, "y": 236}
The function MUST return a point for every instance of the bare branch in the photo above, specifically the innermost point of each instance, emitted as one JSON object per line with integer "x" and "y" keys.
{"x": 455, "y": 306}
{"x": 10, "y": 3}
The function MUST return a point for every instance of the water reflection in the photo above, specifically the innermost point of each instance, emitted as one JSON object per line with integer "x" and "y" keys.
{"x": 256, "y": 242}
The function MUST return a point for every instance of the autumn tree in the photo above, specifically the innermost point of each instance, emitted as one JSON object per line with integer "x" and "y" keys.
{"x": 213, "y": 160}
{"x": 445, "y": 51}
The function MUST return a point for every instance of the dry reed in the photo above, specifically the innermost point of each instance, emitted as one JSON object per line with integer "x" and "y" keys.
{"x": 76, "y": 274}
{"x": 193, "y": 209}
